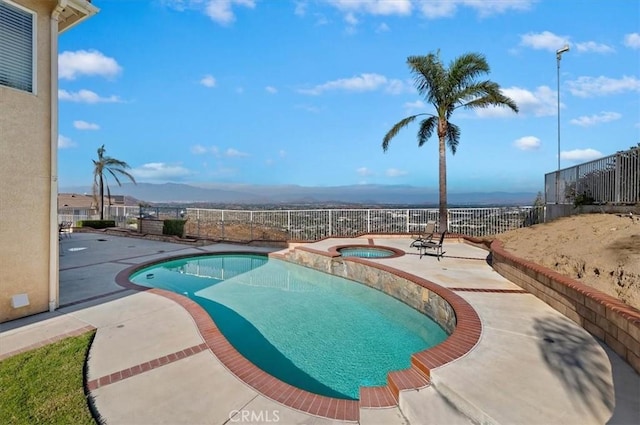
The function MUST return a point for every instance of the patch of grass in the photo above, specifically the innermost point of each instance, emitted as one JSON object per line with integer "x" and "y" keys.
{"x": 45, "y": 385}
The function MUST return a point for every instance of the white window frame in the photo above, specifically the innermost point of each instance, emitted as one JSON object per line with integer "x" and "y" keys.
{"x": 34, "y": 51}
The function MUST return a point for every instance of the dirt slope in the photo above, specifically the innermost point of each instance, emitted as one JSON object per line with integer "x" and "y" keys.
{"x": 599, "y": 250}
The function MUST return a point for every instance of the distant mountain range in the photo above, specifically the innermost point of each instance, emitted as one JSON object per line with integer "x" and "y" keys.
{"x": 292, "y": 194}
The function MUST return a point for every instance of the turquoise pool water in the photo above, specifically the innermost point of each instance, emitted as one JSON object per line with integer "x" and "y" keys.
{"x": 365, "y": 252}
{"x": 319, "y": 332}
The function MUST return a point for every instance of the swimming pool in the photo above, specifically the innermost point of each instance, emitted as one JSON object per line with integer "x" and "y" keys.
{"x": 321, "y": 333}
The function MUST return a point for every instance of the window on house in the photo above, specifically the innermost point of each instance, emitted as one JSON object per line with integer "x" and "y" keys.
{"x": 17, "y": 32}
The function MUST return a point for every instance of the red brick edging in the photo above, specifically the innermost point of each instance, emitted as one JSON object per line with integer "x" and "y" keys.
{"x": 144, "y": 367}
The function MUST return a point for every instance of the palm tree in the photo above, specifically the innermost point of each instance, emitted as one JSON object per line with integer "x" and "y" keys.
{"x": 448, "y": 89}
{"x": 113, "y": 166}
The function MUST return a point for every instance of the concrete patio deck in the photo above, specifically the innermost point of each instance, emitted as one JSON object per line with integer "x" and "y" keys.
{"x": 149, "y": 363}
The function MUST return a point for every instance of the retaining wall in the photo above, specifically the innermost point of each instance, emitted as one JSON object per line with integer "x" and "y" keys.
{"x": 605, "y": 317}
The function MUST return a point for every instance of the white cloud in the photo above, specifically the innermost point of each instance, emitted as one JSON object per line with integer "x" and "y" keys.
{"x": 85, "y": 96}
{"x": 374, "y": 7}
{"x": 364, "y": 172}
{"x": 351, "y": 19}
{"x": 86, "y": 62}
{"x": 544, "y": 41}
{"x": 202, "y": 150}
{"x": 579, "y": 155}
{"x": 586, "y": 121}
{"x": 234, "y": 153}
{"x": 431, "y": 9}
{"x": 527, "y": 143}
{"x": 208, "y": 81}
{"x": 383, "y": 28}
{"x": 592, "y": 46}
{"x": 394, "y": 172}
{"x": 398, "y": 86}
{"x": 198, "y": 150}
{"x": 271, "y": 89}
{"x": 221, "y": 11}
{"x": 438, "y": 9}
{"x": 632, "y": 40}
{"x": 542, "y": 102}
{"x": 65, "y": 142}
{"x": 447, "y": 8}
{"x": 300, "y": 9}
{"x": 159, "y": 171}
{"x": 83, "y": 125}
{"x": 602, "y": 86}
{"x": 418, "y": 104}
{"x": 360, "y": 83}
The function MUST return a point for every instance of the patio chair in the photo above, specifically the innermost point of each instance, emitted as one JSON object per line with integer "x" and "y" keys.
{"x": 425, "y": 235}
{"x": 430, "y": 244}
{"x": 64, "y": 229}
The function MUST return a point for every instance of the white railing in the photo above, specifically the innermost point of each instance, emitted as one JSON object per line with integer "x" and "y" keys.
{"x": 123, "y": 215}
{"x": 614, "y": 179}
{"x": 305, "y": 225}
{"x": 315, "y": 224}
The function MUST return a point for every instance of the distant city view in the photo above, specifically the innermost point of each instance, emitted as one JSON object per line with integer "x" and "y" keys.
{"x": 296, "y": 197}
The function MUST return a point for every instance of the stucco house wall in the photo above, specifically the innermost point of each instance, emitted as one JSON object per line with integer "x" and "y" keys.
{"x": 28, "y": 180}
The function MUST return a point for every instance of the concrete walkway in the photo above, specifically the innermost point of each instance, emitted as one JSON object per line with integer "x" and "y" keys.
{"x": 149, "y": 364}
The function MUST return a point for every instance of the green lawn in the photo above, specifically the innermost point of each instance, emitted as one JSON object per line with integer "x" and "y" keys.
{"x": 45, "y": 386}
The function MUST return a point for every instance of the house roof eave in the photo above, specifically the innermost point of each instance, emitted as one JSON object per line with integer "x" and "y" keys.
{"x": 74, "y": 12}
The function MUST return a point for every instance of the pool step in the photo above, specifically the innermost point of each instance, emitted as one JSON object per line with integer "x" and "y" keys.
{"x": 407, "y": 379}
{"x": 372, "y": 397}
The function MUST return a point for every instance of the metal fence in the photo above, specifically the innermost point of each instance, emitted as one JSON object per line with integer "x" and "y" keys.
{"x": 124, "y": 216}
{"x": 315, "y": 224}
{"x": 614, "y": 179}
{"x": 310, "y": 225}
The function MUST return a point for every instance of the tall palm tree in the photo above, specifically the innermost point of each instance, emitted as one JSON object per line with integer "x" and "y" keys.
{"x": 106, "y": 164}
{"x": 448, "y": 89}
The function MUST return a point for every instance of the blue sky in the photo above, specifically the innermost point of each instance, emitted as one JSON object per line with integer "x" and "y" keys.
{"x": 302, "y": 92}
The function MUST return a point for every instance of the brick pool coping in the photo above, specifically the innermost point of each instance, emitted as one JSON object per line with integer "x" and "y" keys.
{"x": 464, "y": 337}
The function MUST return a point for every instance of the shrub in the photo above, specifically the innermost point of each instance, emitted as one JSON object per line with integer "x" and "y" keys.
{"x": 173, "y": 227}
{"x": 583, "y": 199}
{"x": 97, "y": 224}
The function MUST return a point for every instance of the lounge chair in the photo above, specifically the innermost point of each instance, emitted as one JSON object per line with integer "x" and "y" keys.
{"x": 425, "y": 235}
{"x": 430, "y": 244}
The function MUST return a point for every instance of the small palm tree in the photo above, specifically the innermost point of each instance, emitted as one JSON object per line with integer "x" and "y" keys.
{"x": 113, "y": 166}
{"x": 448, "y": 89}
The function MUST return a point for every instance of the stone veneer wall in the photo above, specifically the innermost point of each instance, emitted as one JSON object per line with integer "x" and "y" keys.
{"x": 410, "y": 293}
{"x": 151, "y": 226}
{"x": 604, "y": 316}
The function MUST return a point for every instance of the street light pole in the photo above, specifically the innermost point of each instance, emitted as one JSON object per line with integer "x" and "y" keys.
{"x": 559, "y": 53}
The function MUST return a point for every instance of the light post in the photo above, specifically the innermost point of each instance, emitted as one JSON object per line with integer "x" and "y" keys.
{"x": 559, "y": 53}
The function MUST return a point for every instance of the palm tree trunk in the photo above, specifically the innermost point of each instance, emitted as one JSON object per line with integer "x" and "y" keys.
{"x": 101, "y": 203}
{"x": 442, "y": 183}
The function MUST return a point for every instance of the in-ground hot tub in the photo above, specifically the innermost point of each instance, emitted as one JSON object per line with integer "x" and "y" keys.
{"x": 366, "y": 252}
